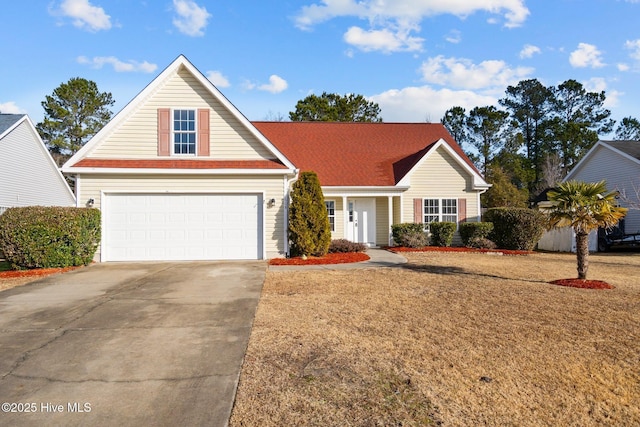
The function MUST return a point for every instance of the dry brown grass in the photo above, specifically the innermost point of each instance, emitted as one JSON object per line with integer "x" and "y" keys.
{"x": 456, "y": 339}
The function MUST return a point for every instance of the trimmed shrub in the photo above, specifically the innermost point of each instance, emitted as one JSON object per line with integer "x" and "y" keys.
{"x": 47, "y": 237}
{"x": 409, "y": 235}
{"x": 516, "y": 228}
{"x": 470, "y": 231}
{"x": 309, "y": 228}
{"x": 442, "y": 233}
{"x": 344, "y": 245}
{"x": 481, "y": 243}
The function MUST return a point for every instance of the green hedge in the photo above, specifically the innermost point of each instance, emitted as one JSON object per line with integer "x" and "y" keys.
{"x": 409, "y": 235}
{"x": 516, "y": 228}
{"x": 474, "y": 231}
{"x": 344, "y": 245}
{"x": 442, "y": 233}
{"x": 46, "y": 237}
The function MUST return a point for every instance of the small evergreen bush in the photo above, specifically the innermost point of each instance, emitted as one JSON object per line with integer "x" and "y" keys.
{"x": 344, "y": 245}
{"x": 309, "y": 228}
{"x": 442, "y": 233}
{"x": 47, "y": 237}
{"x": 470, "y": 231}
{"x": 409, "y": 235}
{"x": 481, "y": 243}
{"x": 516, "y": 228}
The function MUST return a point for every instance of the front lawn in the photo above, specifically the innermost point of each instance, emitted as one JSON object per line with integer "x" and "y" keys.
{"x": 458, "y": 338}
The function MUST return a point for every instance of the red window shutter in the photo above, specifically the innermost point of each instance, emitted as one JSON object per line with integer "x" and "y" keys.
{"x": 203, "y": 132}
{"x": 418, "y": 211}
{"x": 462, "y": 210}
{"x": 164, "y": 131}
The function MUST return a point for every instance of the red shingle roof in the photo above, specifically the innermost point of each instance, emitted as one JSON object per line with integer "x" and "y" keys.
{"x": 356, "y": 154}
{"x": 180, "y": 164}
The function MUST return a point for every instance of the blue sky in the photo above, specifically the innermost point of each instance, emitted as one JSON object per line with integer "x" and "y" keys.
{"x": 415, "y": 58}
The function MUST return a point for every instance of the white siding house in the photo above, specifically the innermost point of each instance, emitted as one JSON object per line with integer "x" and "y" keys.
{"x": 28, "y": 174}
{"x": 617, "y": 163}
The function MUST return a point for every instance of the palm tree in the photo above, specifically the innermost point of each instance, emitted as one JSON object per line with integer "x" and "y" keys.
{"x": 585, "y": 206}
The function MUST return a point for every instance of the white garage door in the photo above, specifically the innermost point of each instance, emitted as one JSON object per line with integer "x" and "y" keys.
{"x": 153, "y": 227}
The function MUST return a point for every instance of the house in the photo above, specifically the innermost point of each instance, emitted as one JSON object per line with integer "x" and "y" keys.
{"x": 616, "y": 162}
{"x": 28, "y": 174}
{"x": 181, "y": 174}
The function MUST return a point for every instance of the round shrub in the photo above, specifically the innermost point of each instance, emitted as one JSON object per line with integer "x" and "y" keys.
{"x": 344, "y": 245}
{"x": 442, "y": 233}
{"x": 471, "y": 231}
{"x": 47, "y": 237}
{"x": 516, "y": 228}
{"x": 409, "y": 235}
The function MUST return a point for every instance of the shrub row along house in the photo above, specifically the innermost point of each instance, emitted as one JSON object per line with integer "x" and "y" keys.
{"x": 181, "y": 174}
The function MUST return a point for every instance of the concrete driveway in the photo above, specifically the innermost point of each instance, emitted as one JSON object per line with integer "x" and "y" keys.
{"x": 127, "y": 344}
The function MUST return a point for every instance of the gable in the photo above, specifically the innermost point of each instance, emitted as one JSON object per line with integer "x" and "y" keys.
{"x": 28, "y": 174}
{"x": 137, "y": 138}
{"x": 440, "y": 174}
{"x": 604, "y": 161}
{"x": 142, "y": 130}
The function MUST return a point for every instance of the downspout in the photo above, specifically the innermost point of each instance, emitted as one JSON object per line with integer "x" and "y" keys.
{"x": 287, "y": 191}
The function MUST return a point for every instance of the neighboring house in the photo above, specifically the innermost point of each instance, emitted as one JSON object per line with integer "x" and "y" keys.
{"x": 616, "y": 162}
{"x": 28, "y": 174}
{"x": 181, "y": 174}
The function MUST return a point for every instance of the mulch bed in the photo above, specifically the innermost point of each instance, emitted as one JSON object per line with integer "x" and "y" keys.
{"x": 333, "y": 258}
{"x": 459, "y": 249}
{"x": 10, "y": 274}
{"x": 582, "y": 283}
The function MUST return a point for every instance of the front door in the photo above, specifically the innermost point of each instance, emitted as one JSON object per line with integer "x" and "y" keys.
{"x": 361, "y": 221}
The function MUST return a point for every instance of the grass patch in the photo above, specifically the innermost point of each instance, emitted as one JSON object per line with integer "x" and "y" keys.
{"x": 453, "y": 338}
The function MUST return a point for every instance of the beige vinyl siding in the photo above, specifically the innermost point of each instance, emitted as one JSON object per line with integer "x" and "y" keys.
{"x": 137, "y": 138}
{"x": 93, "y": 186}
{"x": 620, "y": 173}
{"x": 440, "y": 177}
{"x": 28, "y": 176}
{"x": 382, "y": 221}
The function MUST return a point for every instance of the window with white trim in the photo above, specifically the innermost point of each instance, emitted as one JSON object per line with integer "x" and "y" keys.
{"x": 440, "y": 210}
{"x": 331, "y": 211}
{"x": 184, "y": 132}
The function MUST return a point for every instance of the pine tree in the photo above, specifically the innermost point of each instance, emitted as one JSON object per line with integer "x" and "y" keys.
{"x": 309, "y": 229}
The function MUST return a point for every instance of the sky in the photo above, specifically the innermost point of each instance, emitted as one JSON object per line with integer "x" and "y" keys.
{"x": 414, "y": 58}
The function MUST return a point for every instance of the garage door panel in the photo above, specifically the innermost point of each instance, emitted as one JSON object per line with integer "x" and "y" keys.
{"x": 182, "y": 226}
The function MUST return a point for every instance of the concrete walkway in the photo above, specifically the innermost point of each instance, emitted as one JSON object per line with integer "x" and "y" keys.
{"x": 378, "y": 258}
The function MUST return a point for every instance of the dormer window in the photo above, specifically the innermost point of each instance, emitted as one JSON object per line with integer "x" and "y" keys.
{"x": 184, "y": 132}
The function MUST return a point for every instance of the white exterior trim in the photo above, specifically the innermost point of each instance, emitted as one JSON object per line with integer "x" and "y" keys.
{"x": 478, "y": 181}
{"x": 171, "y": 70}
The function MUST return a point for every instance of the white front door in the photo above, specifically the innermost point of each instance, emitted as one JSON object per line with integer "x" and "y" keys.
{"x": 361, "y": 221}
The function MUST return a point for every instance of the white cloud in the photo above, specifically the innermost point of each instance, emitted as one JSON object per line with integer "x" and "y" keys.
{"x": 384, "y": 40}
{"x": 118, "y": 65}
{"x": 464, "y": 74}
{"x": 85, "y": 15}
{"x": 623, "y": 67}
{"x": 514, "y": 11}
{"x": 11, "y": 108}
{"x": 529, "y": 50}
{"x": 419, "y": 104}
{"x": 218, "y": 79}
{"x": 586, "y": 55}
{"x": 392, "y": 22}
{"x": 276, "y": 84}
{"x": 454, "y": 37}
{"x": 634, "y": 47}
{"x": 599, "y": 84}
{"x": 192, "y": 19}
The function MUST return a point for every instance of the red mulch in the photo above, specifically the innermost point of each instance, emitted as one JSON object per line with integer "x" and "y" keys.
{"x": 582, "y": 283}
{"x": 458, "y": 249}
{"x": 333, "y": 258}
{"x": 34, "y": 273}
